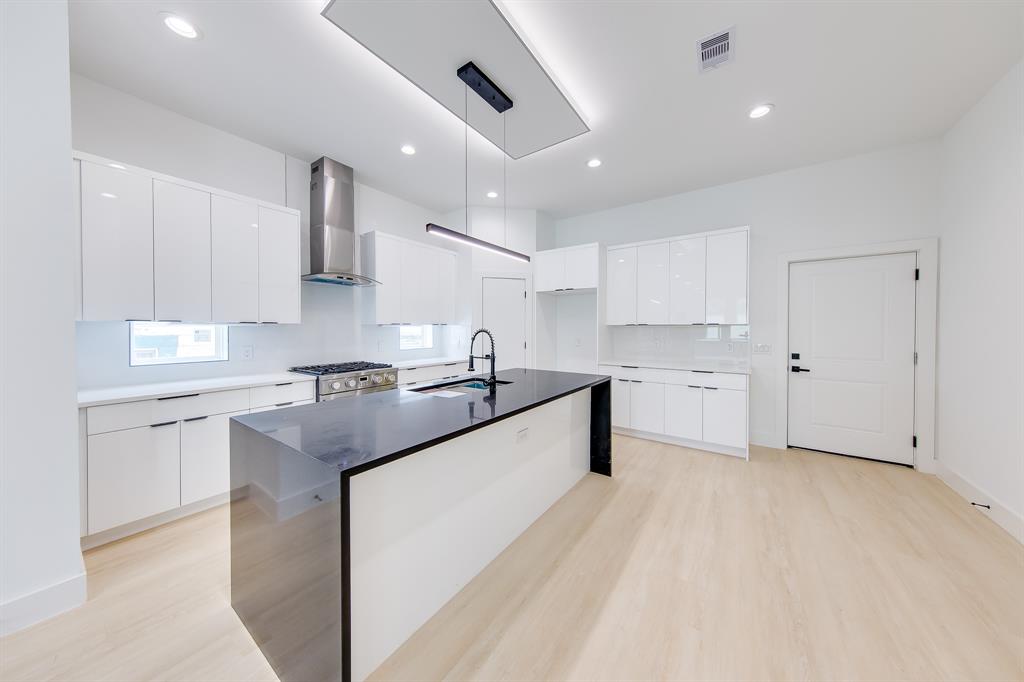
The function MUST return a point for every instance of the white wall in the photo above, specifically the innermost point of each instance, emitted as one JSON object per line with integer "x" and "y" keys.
{"x": 886, "y": 196}
{"x": 980, "y": 412}
{"x": 41, "y": 571}
{"x": 116, "y": 125}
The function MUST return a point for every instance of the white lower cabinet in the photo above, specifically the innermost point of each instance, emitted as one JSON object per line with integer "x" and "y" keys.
{"x": 205, "y": 456}
{"x": 725, "y": 416}
{"x": 133, "y": 474}
{"x": 684, "y": 411}
{"x": 701, "y": 406}
{"x": 620, "y": 403}
{"x": 647, "y": 406}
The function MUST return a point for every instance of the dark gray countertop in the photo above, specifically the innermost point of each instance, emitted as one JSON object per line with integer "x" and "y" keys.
{"x": 360, "y": 433}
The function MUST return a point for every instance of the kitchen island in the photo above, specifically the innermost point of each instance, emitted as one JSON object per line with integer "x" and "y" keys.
{"x": 354, "y": 521}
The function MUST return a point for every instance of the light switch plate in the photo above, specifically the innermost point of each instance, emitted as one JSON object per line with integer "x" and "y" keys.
{"x": 762, "y": 348}
{"x": 248, "y": 352}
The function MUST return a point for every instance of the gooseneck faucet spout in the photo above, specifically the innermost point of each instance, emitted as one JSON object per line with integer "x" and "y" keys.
{"x": 492, "y": 380}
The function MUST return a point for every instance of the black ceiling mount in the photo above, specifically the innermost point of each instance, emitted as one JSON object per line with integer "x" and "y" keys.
{"x": 485, "y": 87}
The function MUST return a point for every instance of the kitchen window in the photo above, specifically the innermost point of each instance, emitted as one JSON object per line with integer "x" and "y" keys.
{"x": 168, "y": 343}
{"x": 415, "y": 337}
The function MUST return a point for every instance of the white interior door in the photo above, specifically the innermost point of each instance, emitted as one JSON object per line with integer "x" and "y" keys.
{"x": 504, "y": 314}
{"x": 851, "y": 342}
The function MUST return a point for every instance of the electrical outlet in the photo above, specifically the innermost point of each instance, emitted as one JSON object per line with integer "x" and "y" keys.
{"x": 762, "y": 348}
{"x": 579, "y": 342}
{"x": 248, "y": 352}
{"x": 380, "y": 345}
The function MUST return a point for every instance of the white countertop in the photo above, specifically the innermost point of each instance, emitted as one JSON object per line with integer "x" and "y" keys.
{"x": 724, "y": 366}
{"x": 428, "y": 362}
{"x": 119, "y": 394}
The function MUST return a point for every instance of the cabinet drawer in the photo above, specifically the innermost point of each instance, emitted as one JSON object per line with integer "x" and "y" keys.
{"x": 412, "y": 375}
{"x": 280, "y": 406}
{"x": 132, "y": 474}
{"x": 205, "y": 457}
{"x": 105, "y": 418}
{"x": 635, "y": 373}
{"x": 264, "y": 396}
{"x": 736, "y": 382}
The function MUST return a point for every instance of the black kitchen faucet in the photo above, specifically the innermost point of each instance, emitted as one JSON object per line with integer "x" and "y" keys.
{"x": 492, "y": 380}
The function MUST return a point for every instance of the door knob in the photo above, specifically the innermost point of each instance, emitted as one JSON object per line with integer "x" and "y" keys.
{"x": 797, "y": 368}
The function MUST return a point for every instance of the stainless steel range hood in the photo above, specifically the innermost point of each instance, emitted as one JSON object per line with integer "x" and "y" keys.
{"x": 332, "y": 226}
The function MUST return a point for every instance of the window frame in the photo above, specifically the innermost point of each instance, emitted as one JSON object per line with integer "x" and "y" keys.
{"x": 426, "y": 330}
{"x": 221, "y": 341}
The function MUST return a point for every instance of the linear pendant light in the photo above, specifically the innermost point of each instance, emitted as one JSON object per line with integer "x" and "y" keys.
{"x": 477, "y": 80}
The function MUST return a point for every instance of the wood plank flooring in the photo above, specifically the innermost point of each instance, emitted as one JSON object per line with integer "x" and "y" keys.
{"x": 685, "y": 566}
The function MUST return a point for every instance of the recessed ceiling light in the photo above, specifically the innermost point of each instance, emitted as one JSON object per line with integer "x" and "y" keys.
{"x": 408, "y": 149}
{"x": 180, "y": 26}
{"x": 108, "y": 195}
{"x": 761, "y": 110}
{"x": 492, "y": 195}
{"x": 593, "y": 163}
{"x": 117, "y": 166}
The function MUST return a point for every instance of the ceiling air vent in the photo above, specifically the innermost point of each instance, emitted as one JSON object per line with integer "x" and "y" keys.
{"x": 715, "y": 50}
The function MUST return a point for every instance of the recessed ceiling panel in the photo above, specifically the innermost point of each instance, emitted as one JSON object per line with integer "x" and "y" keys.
{"x": 427, "y": 41}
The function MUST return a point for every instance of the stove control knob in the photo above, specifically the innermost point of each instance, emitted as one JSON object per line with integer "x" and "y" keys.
{"x": 392, "y": 377}
{"x": 335, "y": 385}
{"x": 350, "y": 383}
{"x": 378, "y": 378}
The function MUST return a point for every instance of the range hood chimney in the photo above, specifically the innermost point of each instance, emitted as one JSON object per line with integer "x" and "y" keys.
{"x": 332, "y": 226}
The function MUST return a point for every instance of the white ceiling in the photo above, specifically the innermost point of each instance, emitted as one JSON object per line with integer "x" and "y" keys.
{"x": 846, "y": 77}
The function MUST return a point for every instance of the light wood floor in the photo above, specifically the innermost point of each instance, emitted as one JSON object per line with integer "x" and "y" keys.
{"x": 686, "y": 565}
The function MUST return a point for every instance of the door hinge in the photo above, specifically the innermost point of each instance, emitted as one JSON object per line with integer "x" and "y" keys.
{"x": 917, "y": 274}
{"x": 915, "y": 441}
{"x": 524, "y": 344}
{"x": 915, "y": 357}
{"x": 524, "y": 294}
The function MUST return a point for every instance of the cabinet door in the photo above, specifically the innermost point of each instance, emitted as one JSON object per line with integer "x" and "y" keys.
{"x": 420, "y": 284}
{"x": 652, "y": 283}
{"x": 620, "y": 403}
{"x": 181, "y": 253}
{"x": 132, "y": 474}
{"x": 581, "y": 268}
{"x": 621, "y": 286}
{"x": 727, "y": 278}
{"x": 279, "y": 267}
{"x": 647, "y": 406}
{"x": 448, "y": 282}
{"x": 683, "y": 411}
{"x": 725, "y": 416}
{"x": 549, "y": 270}
{"x": 236, "y": 260}
{"x": 117, "y": 244}
{"x": 205, "y": 457}
{"x": 387, "y": 269}
{"x": 686, "y": 273}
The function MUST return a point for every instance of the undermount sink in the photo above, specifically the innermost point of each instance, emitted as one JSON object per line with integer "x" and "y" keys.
{"x": 471, "y": 384}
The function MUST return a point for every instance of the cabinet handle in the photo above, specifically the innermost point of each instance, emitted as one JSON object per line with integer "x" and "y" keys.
{"x": 153, "y": 426}
{"x": 702, "y": 371}
{"x": 697, "y": 324}
{"x": 284, "y": 404}
{"x": 691, "y": 386}
{"x": 450, "y": 364}
{"x": 569, "y": 289}
{"x": 635, "y": 381}
{"x": 630, "y": 366}
{"x": 135, "y": 319}
{"x": 641, "y": 324}
{"x": 175, "y": 397}
{"x": 710, "y": 388}
{"x": 248, "y": 322}
{"x": 268, "y": 322}
{"x": 195, "y": 419}
{"x": 625, "y": 380}
{"x": 168, "y": 320}
{"x": 287, "y": 383}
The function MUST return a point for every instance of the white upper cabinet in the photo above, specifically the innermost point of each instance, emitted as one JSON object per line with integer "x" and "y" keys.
{"x": 566, "y": 269}
{"x": 448, "y": 270}
{"x": 652, "y": 284}
{"x": 279, "y": 288}
{"x": 418, "y": 282}
{"x": 549, "y": 270}
{"x": 686, "y": 275}
{"x": 117, "y": 244}
{"x": 236, "y": 260}
{"x": 727, "y": 278}
{"x": 155, "y": 247}
{"x": 181, "y": 253}
{"x": 622, "y": 287}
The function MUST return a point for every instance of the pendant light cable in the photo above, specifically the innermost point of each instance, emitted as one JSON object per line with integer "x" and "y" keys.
{"x": 465, "y": 125}
{"x": 504, "y": 170}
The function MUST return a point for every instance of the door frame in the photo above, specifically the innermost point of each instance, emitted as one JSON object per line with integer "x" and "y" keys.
{"x": 478, "y": 301}
{"x": 926, "y": 303}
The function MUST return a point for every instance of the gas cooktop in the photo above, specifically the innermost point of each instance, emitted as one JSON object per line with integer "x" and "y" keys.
{"x": 339, "y": 368}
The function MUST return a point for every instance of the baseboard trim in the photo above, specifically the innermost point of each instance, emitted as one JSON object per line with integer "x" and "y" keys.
{"x": 1004, "y": 517}
{"x": 48, "y": 602}
{"x": 685, "y": 442}
{"x": 150, "y": 522}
